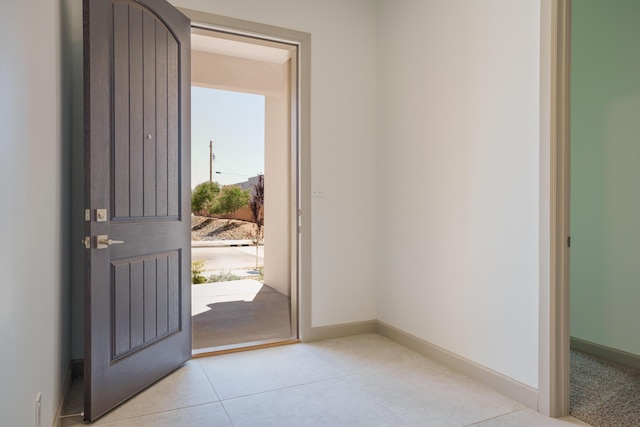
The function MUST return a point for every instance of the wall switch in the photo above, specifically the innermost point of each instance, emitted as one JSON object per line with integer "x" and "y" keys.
{"x": 316, "y": 191}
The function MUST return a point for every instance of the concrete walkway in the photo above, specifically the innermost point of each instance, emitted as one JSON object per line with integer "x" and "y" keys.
{"x": 236, "y": 312}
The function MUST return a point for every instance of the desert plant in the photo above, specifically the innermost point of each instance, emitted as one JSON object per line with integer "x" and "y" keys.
{"x": 197, "y": 268}
{"x": 223, "y": 277}
{"x": 256, "y": 204}
{"x": 260, "y": 276}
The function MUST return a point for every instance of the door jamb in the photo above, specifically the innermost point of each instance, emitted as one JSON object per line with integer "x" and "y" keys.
{"x": 554, "y": 331}
{"x": 301, "y": 158}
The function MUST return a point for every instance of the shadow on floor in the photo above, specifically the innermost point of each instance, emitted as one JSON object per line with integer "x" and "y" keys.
{"x": 237, "y": 312}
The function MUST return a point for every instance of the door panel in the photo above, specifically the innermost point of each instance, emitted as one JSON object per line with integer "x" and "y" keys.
{"x": 137, "y": 299}
{"x": 143, "y": 80}
{"x": 146, "y": 302}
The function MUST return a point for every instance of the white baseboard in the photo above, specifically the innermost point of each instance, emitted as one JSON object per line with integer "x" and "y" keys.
{"x": 509, "y": 387}
{"x": 342, "y": 330}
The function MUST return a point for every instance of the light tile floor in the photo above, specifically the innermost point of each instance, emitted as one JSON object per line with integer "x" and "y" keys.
{"x": 363, "y": 380}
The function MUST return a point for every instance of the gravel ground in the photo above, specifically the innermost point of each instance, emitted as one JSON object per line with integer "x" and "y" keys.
{"x": 203, "y": 228}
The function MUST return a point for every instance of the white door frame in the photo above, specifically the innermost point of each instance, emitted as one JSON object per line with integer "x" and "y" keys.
{"x": 300, "y": 154}
{"x": 555, "y": 71}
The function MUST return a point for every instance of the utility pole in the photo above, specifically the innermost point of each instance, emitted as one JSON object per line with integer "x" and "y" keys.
{"x": 210, "y": 161}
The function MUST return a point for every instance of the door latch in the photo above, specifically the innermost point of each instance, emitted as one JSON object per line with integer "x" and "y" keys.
{"x": 103, "y": 241}
{"x": 87, "y": 242}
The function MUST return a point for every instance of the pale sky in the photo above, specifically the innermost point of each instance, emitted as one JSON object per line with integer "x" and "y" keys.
{"x": 235, "y": 123}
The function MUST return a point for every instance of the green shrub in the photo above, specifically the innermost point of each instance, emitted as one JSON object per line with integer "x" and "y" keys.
{"x": 230, "y": 199}
{"x": 203, "y": 195}
{"x": 197, "y": 268}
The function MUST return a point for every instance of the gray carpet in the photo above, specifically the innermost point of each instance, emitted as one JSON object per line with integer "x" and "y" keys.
{"x": 603, "y": 393}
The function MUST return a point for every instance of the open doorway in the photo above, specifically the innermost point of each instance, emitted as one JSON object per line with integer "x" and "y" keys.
{"x": 243, "y": 239}
{"x": 604, "y": 210}
{"x": 566, "y": 161}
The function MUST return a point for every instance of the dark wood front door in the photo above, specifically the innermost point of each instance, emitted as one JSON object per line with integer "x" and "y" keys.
{"x": 137, "y": 121}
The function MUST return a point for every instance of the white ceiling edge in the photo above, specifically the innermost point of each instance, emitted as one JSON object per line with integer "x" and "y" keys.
{"x": 256, "y": 52}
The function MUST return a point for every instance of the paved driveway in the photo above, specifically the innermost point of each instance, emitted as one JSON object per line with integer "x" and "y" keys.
{"x": 227, "y": 258}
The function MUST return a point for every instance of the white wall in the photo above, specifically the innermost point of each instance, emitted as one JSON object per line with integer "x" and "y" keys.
{"x": 458, "y": 177}
{"x": 605, "y": 202}
{"x": 75, "y": 97}
{"x": 343, "y": 150}
{"x": 34, "y": 297}
{"x": 277, "y": 187}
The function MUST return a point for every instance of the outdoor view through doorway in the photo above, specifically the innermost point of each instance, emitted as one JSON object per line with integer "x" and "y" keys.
{"x": 240, "y": 145}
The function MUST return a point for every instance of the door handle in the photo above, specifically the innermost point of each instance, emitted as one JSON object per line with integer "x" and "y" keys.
{"x": 103, "y": 241}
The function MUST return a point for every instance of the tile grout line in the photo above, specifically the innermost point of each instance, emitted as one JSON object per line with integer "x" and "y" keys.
{"x": 216, "y": 392}
{"x": 208, "y": 379}
{"x": 135, "y": 417}
{"x": 373, "y": 398}
{"x": 338, "y": 374}
{"x": 280, "y": 389}
{"x": 162, "y": 411}
{"x": 340, "y": 377}
{"x": 496, "y": 417}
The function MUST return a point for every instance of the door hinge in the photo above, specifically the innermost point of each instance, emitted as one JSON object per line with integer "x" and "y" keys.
{"x": 568, "y": 241}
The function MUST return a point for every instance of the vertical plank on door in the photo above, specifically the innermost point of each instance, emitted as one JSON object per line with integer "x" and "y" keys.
{"x": 162, "y": 295}
{"x": 149, "y": 93}
{"x": 173, "y": 94}
{"x": 121, "y": 109}
{"x": 150, "y": 292}
{"x": 136, "y": 130}
{"x": 161, "y": 118}
{"x": 174, "y": 291}
{"x": 121, "y": 309}
{"x": 137, "y": 305}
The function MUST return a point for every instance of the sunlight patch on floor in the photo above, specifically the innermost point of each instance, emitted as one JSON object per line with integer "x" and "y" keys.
{"x": 204, "y": 294}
